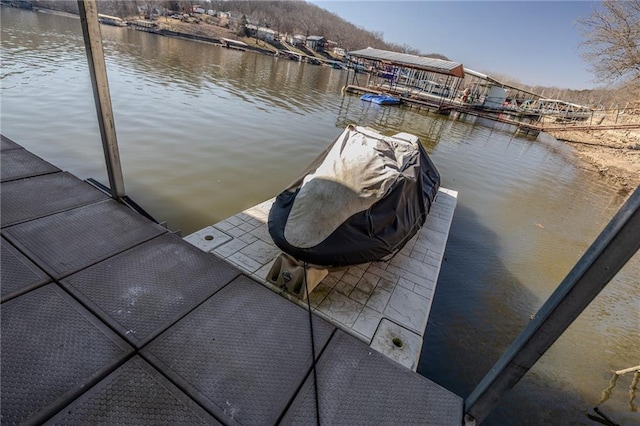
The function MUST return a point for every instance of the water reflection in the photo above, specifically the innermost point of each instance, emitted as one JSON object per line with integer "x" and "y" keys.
{"x": 465, "y": 293}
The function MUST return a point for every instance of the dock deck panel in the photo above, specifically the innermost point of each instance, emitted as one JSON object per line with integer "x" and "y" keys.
{"x": 7, "y": 144}
{"x": 20, "y": 163}
{"x": 136, "y": 394}
{"x": 39, "y": 196}
{"x": 18, "y": 274}
{"x": 67, "y": 242}
{"x": 249, "y": 352}
{"x": 144, "y": 290}
{"x": 52, "y": 350}
{"x": 357, "y": 386}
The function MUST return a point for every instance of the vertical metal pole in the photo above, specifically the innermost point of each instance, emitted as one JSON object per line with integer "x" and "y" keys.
{"x": 95, "y": 56}
{"x": 601, "y": 262}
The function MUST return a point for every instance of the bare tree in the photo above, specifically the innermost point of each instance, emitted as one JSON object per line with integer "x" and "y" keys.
{"x": 612, "y": 40}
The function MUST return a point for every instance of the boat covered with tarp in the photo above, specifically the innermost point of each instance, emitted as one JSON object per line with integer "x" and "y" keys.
{"x": 361, "y": 200}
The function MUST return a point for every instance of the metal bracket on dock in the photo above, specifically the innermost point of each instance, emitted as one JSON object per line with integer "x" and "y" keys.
{"x": 289, "y": 273}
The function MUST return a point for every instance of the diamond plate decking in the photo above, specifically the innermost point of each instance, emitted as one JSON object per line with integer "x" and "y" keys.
{"x": 8, "y": 144}
{"x": 249, "y": 351}
{"x": 66, "y": 242}
{"x": 144, "y": 290}
{"x": 207, "y": 344}
{"x": 20, "y": 163}
{"x": 135, "y": 394}
{"x": 52, "y": 349}
{"x": 357, "y": 385}
{"x": 27, "y": 199}
{"x": 18, "y": 274}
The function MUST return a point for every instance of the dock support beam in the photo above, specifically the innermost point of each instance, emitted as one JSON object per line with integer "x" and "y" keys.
{"x": 95, "y": 56}
{"x": 601, "y": 262}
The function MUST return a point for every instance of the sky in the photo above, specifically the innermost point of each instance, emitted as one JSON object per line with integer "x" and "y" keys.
{"x": 535, "y": 42}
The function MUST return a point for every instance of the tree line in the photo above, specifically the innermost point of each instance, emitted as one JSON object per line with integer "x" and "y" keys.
{"x": 282, "y": 16}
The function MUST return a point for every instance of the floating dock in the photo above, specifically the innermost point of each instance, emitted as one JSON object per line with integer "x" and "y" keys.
{"x": 384, "y": 304}
{"x": 107, "y": 317}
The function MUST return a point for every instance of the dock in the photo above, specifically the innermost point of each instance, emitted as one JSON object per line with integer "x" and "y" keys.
{"x": 384, "y": 304}
{"x": 108, "y": 317}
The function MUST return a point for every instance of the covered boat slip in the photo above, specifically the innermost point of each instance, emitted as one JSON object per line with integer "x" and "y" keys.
{"x": 109, "y": 318}
{"x": 445, "y": 86}
{"x": 418, "y": 77}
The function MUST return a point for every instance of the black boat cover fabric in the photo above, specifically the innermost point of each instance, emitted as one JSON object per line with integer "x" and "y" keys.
{"x": 361, "y": 200}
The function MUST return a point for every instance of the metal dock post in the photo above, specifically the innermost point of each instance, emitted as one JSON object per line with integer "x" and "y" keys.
{"x": 601, "y": 262}
{"x": 95, "y": 56}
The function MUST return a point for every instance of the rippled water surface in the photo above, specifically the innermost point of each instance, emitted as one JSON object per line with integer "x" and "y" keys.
{"x": 206, "y": 132}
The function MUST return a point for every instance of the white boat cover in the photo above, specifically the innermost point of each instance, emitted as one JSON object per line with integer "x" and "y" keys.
{"x": 336, "y": 213}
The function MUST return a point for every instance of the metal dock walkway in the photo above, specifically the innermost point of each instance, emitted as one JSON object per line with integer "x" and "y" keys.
{"x": 109, "y": 318}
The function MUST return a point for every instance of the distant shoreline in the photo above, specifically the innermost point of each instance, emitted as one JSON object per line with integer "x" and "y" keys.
{"x": 613, "y": 154}
{"x": 164, "y": 32}
{"x": 56, "y": 12}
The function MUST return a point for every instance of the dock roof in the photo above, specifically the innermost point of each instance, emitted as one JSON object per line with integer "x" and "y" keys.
{"x": 492, "y": 80}
{"x": 411, "y": 61}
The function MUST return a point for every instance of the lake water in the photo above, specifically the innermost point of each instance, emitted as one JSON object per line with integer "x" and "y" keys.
{"x": 206, "y": 132}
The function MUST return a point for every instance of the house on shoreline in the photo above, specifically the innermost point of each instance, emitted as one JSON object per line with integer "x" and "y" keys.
{"x": 315, "y": 43}
{"x": 262, "y": 33}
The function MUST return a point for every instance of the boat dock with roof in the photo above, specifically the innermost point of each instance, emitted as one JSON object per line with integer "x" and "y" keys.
{"x": 447, "y": 87}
